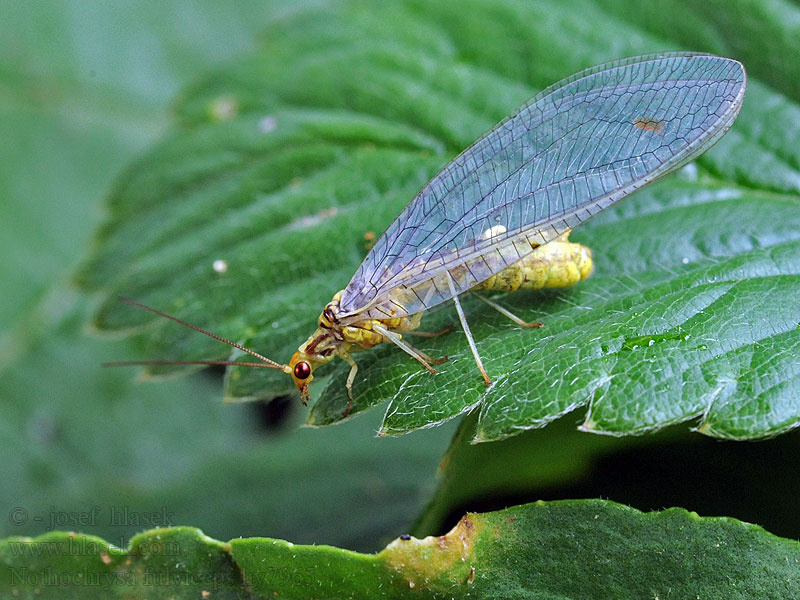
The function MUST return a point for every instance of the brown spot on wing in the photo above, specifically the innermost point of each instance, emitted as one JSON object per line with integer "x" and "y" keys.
{"x": 648, "y": 124}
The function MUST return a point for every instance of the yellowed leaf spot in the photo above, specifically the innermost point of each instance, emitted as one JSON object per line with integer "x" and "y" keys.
{"x": 451, "y": 555}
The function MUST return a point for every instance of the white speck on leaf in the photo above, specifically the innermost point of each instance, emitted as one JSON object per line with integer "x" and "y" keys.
{"x": 267, "y": 124}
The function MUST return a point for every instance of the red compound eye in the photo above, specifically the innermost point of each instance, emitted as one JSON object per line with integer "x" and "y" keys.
{"x": 302, "y": 370}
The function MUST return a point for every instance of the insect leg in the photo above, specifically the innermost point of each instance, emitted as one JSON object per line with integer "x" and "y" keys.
{"x": 409, "y": 325}
{"x": 351, "y": 376}
{"x": 508, "y": 313}
{"x": 429, "y": 334}
{"x": 467, "y": 332}
{"x": 430, "y": 359}
{"x": 408, "y": 348}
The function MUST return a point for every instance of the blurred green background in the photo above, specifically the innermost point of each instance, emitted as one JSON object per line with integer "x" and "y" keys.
{"x": 87, "y": 87}
{"x": 84, "y": 88}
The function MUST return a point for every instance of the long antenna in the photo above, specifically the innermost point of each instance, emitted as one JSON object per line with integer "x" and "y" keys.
{"x": 270, "y": 364}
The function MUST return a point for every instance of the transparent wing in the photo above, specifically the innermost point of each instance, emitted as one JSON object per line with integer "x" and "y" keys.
{"x": 571, "y": 151}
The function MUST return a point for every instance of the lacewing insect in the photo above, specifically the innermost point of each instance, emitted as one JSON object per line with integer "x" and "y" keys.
{"x": 497, "y": 217}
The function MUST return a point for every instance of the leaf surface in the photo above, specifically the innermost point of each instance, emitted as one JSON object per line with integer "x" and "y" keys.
{"x": 567, "y": 549}
{"x": 83, "y": 89}
{"x": 285, "y": 161}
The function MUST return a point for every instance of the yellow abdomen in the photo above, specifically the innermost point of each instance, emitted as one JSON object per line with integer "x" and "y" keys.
{"x": 559, "y": 263}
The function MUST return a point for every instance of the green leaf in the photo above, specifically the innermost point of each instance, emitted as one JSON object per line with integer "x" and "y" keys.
{"x": 727, "y": 27}
{"x": 285, "y": 160}
{"x": 90, "y": 439}
{"x": 567, "y": 549}
{"x": 530, "y": 465}
{"x": 674, "y": 467}
{"x": 82, "y": 90}
{"x": 179, "y": 562}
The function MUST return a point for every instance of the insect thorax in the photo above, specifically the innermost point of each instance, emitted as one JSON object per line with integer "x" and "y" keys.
{"x": 340, "y": 336}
